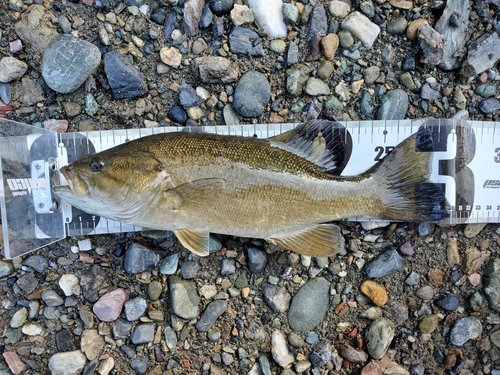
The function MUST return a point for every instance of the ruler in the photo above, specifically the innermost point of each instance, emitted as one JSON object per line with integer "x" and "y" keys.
{"x": 466, "y": 162}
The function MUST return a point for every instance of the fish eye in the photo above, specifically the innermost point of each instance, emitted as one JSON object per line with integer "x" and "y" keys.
{"x": 96, "y": 165}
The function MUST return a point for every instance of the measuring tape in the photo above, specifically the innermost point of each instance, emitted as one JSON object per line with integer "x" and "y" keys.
{"x": 466, "y": 162}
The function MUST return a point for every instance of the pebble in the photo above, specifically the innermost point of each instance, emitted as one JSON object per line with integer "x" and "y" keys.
{"x": 490, "y": 105}
{"x": 245, "y": 42}
{"x": 171, "y": 56}
{"x": 139, "y": 258}
{"x": 309, "y": 305}
{"x": 321, "y": 354}
{"x": 121, "y": 329}
{"x": 371, "y": 74}
{"x": 212, "y": 312}
{"x": 346, "y": 39}
{"x": 69, "y": 284}
{"x": 5, "y": 93}
{"x": 68, "y": 363}
{"x": 228, "y": 267}
{"x": 426, "y": 292}
{"x": 169, "y": 264}
{"x": 51, "y": 298}
{"x": 190, "y": 269}
{"x": 93, "y": 281}
{"x": 91, "y": 343}
{"x": 375, "y": 292}
{"x": 68, "y": 62}
{"x": 154, "y": 290}
{"x": 278, "y": 46}
{"x": 19, "y": 318}
{"x": 125, "y": 79}
{"x": 397, "y": 26}
{"x": 432, "y": 44}
{"x": 177, "y": 114}
{"x": 35, "y": 27}
{"x": 361, "y": 28}
{"x": 277, "y": 298}
{"x": 465, "y": 329}
{"x": 64, "y": 341}
{"x": 109, "y": 306}
{"x": 435, "y": 276}
{"x": 143, "y": 333}
{"x": 492, "y": 283}
{"x": 351, "y": 354}
{"x": 220, "y": 7}
{"x": 290, "y": 13}
{"x": 452, "y": 253}
{"x": 316, "y": 87}
{"x": 252, "y": 94}
{"x": 482, "y": 56}
{"x": 312, "y": 338}
{"x": 135, "y": 308}
{"x": 106, "y": 366}
{"x": 183, "y": 297}
{"x": 426, "y": 229}
{"x": 37, "y": 262}
{"x": 16, "y": 365}
{"x": 11, "y": 69}
{"x": 32, "y": 329}
{"x": 430, "y": 91}
{"x": 339, "y": 9}
{"x": 413, "y": 279}
{"x": 379, "y": 337}
{"x": 326, "y": 69}
{"x": 428, "y": 324}
{"x": 140, "y": 364}
{"x": 384, "y": 264}
{"x": 486, "y": 90}
{"x": 412, "y": 29}
{"x": 192, "y": 15}
{"x": 297, "y": 77}
{"x": 206, "y": 17}
{"x": 318, "y": 24}
{"x": 394, "y": 105}
{"x": 241, "y": 15}
{"x": 257, "y": 259}
{"x": 279, "y": 349}
{"x": 449, "y": 302}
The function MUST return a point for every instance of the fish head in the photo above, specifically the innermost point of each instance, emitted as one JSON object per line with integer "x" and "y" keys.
{"x": 112, "y": 181}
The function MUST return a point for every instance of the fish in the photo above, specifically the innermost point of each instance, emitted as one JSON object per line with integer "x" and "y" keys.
{"x": 284, "y": 189}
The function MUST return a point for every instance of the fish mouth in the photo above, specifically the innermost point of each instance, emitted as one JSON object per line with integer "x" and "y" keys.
{"x": 76, "y": 184}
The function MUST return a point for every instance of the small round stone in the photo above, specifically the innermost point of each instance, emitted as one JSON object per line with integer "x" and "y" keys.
{"x": 375, "y": 292}
{"x": 429, "y": 323}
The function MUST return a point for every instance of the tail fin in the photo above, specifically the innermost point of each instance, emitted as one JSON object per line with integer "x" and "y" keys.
{"x": 409, "y": 195}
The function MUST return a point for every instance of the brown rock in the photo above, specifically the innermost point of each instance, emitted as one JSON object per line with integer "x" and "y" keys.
{"x": 429, "y": 323}
{"x": 350, "y": 354}
{"x": 401, "y": 4}
{"x": 92, "y": 343}
{"x": 36, "y": 28}
{"x": 435, "y": 277}
{"x": 474, "y": 259}
{"x": 411, "y": 30}
{"x": 314, "y": 50}
{"x": 14, "y": 362}
{"x": 452, "y": 254}
{"x": 330, "y": 44}
{"x": 375, "y": 292}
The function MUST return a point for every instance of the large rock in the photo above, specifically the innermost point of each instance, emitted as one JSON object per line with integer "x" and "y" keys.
{"x": 67, "y": 62}
{"x": 125, "y": 79}
{"x": 35, "y": 27}
{"x": 68, "y": 363}
{"x": 183, "y": 297}
{"x": 252, "y": 94}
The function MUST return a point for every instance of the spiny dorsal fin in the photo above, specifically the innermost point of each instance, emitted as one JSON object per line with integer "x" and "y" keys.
{"x": 319, "y": 240}
{"x": 197, "y": 241}
{"x": 318, "y": 141}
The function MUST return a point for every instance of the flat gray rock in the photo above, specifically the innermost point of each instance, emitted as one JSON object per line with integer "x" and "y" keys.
{"x": 394, "y": 105}
{"x": 212, "y": 312}
{"x": 252, "y": 94}
{"x": 67, "y": 63}
{"x": 184, "y": 297}
{"x": 125, "y": 79}
{"x": 309, "y": 306}
{"x": 482, "y": 56}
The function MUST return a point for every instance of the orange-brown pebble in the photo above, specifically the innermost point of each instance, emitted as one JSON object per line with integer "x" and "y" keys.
{"x": 375, "y": 292}
{"x": 411, "y": 30}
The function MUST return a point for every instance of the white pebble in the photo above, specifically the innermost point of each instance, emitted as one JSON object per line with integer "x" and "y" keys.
{"x": 69, "y": 284}
{"x": 361, "y": 27}
{"x": 74, "y": 249}
{"x": 279, "y": 349}
{"x": 144, "y": 9}
{"x": 84, "y": 245}
{"x": 269, "y": 16}
{"x": 305, "y": 260}
{"x": 369, "y": 225}
{"x": 32, "y": 329}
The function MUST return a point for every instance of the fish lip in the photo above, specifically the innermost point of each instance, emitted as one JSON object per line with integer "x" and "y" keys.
{"x": 68, "y": 175}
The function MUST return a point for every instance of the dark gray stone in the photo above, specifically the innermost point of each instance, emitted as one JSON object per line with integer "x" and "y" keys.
{"x": 129, "y": 352}
{"x": 177, "y": 114}
{"x": 394, "y": 105}
{"x": 27, "y": 283}
{"x": 321, "y": 354}
{"x": 192, "y": 16}
{"x": 64, "y": 341}
{"x": 188, "y": 96}
{"x": 430, "y": 91}
{"x": 37, "y": 262}
{"x": 277, "y": 298}
{"x": 158, "y": 16}
{"x": 67, "y": 62}
{"x": 5, "y": 92}
{"x": 221, "y": 7}
{"x": 169, "y": 27}
{"x": 140, "y": 365}
{"x": 189, "y": 270}
{"x": 206, "y": 17}
{"x": 93, "y": 281}
{"x": 490, "y": 105}
{"x": 143, "y": 333}
{"x": 125, "y": 80}
{"x": 318, "y": 23}
{"x": 465, "y": 329}
{"x": 252, "y": 94}
{"x": 449, "y": 302}
{"x": 384, "y": 264}
{"x": 51, "y": 298}
{"x": 366, "y": 106}
{"x": 245, "y": 42}
{"x": 292, "y": 55}
{"x": 257, "y": 259}
{"x": 121, "y": 329}
{"x": 228, "y": 267}
{"x": 218, "y": 28}
{"x": 425, "y": 229}
{"x": 486, "y": 90}
{"x": 140, "y": 258}
{"x": 310, "y": 304}
{"x": 212, "y": 312}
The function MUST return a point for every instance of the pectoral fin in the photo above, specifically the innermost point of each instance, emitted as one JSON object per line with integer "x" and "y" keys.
{"x": 195, "y": 240}
{"x": 193, "y": 193}
{"x": 320, "y": 240}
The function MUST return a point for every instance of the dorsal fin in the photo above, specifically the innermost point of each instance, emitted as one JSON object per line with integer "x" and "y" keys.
{"x": 319, "y": 141}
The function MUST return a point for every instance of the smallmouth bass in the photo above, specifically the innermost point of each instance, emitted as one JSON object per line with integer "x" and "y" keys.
{"x": 284, "y": 189}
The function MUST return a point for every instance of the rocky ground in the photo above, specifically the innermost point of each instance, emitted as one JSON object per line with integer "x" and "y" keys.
{"x": 402, "y": 299}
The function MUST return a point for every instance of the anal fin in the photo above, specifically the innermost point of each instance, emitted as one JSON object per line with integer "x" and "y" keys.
{"x": 197, "y": 241}
{"x": 319, "y": 240}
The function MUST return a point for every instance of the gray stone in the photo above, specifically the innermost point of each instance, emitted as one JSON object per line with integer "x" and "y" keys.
{"x": 169, "y": 264}
{"x": 51, "y": 298}
{"x": 35, "y": 27}
{"x": 277, "y": 298}
{"x": 481, "y": 56}
{"x": 397, "y": 312}
{"x": 379, "y": 337}
{"x": 206, "y": 17}
{"x": 290, "y": 13}
{"x": 430, "y": 91}
{"x": 68, "y": 363}
{"x": 316, "y": 87}
{"x": 189, "y": 270}
{"x": 486, "y": 90}
{"x": 346, "y": 39}
{"x": 19, "y": 318}
{"x": 93, "y": 282}
{"x": 140, "y": 258}
{"x": 432, "y": 44}
{"x": 371, "y": 74}
{"x": 31, "y": 91}
{"x": 27, "y": 283}
{"x": 5, "y": 268}
{"x": 140, "y": 364}
{"x": 309, "y": 305}
{"x": 228, "y": 267}
{"x": 5, "y": 93}
{"x": 490, "y": 105}
{"x": 362, "y": 28}
{"x": 394, "y": 105}
{"x": 465, "y": 329}
{"x": 426, "y": 229}
{"x": 121, "y": 329}
{"x": 67, "y": 62}
{"x": 216, "y": 69}
{"x": 292, "y": 55}
{"x": 252, "y": 94}
{"x": 397, "y": 26}
{"x": 384, "y": 264}
{"x": 257, "y": 259}
{"x": 212, "y": 312}
{"x": 321, "y": 354}
{"x": 425, "y": 292}
{"x": 135, "y": 308}
{"x": 183, "y": 297}
{"x": 154, "y": 290}
{"x": 37, "y": 262}
{"x": 143, "y": 333}
{"x": 453, "y": 25}
{"x": 11, "y": 69}
{"x": 125, "y": 79}
{"x": 188, "y": 96}
{"x": 318, "y": 24}
{"x": 366, "y": 106}
{"x": 170, "y": 338}
{"x": 221, "y": 7}
{"x": 192, "y": 16}
{"x": 245, "y": 42}
{"x": 296, "y": 79}
{"x": 492, "y": 283}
